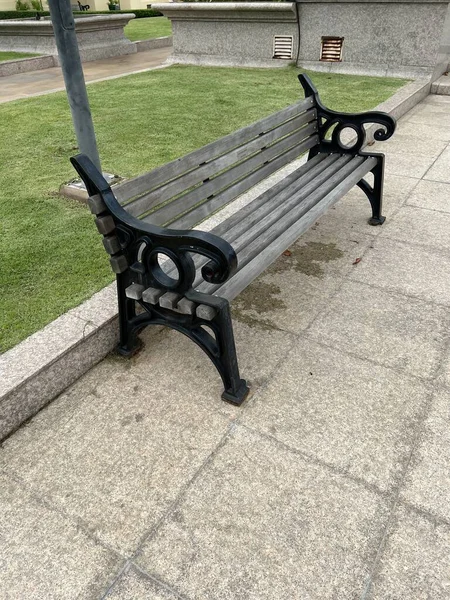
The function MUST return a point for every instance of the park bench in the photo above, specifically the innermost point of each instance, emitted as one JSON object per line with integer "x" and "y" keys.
{"x": 169, "y": 274}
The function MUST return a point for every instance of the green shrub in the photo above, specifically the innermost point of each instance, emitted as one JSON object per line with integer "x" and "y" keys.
{"x": 21, "y": 14}
{"x": 140, "y": 13}
{"x": 37, "y": 5}
{"x": 30, "y": 14}
{"x": 22, "y": 5}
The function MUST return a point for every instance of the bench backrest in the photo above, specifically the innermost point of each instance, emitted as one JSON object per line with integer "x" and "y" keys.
{"x": 185, "y": 191}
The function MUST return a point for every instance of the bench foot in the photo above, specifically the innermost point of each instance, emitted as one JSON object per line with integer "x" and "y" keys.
{"x": 376, "y": 220}
{"x": 374, "y": 192}
{"x": 128, "y": 352}
{"x": 237, "y": 397}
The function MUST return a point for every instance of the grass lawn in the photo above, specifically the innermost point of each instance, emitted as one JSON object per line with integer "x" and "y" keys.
{"x": 144, "y": 29}
{"x": 14, "y": 55}
{"x": 52, "y": 256}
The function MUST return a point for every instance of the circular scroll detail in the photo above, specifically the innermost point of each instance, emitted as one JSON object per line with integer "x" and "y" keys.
{"x": 165, "y": 268}
{"x": 354, "y": 144}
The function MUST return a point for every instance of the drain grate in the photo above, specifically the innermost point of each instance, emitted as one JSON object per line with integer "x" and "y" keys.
{"x": 331, "y": 50}
{"x": 283, "y": 46}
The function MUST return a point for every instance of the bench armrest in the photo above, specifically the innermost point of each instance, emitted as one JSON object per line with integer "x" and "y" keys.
{"x": 329, "y": 119}
{"x": 136, "y": 245}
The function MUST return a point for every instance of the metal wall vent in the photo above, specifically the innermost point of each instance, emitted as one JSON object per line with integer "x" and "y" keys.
{"x": 283, "y": 46}
{"x": 331, "y": 49}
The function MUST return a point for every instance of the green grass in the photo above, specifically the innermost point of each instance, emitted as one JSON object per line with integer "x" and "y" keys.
{"x": 14, "y": 55}
{"x": 52, "y": 257}
{"x": 144, "y": 29}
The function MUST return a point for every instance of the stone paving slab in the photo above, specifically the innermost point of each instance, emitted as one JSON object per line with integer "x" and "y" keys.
{"x": 300, "y": 283}
{"x": 444, "y": 374}
{"x": 426, "y": 127}
{"x": 410, "y": 145}
{"x": 430, "y": 109}
{"x": 426, "y": 227}
{"x": 134, "y": 585}
{"x": 259, "y": 350}
{"x": 119, "y": 449}
{"x": 432, "y": 195}
{"x": 430, "y": 114}
{"x": 415, "y": 563}
{"x": 380, "y": 326}
{"x": 352, "y": 414}
{"x": 45, "y": 556}
{"x": 258, "y": 523}
{"x": 119, "y": 461}
{"x": 406, "y": 269}
{"x": 410, "y": 165}
{"x": 427, "y": 483}
{"x": 24, "y": 85}
{"x": 440, "y": 170}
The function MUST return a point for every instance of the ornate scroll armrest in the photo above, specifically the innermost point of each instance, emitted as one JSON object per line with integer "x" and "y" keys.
{"x": 329, "y": 119}
{"x": 137, "y": 245}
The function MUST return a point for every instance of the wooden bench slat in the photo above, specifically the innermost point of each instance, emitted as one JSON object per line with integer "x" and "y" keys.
{"x": 294, "y": 191}
{"x": 143, "y": 183}
{"x": 249, "y": 272}
{"x": 248, "y": 227}
{"x": 268, "y": 221}
{"x": 233, "y": 225}
{"x": 288, "y": 202}
{"x": 176, "y": 208}
{"x": 301, "y": 174}
{"x": 159, "y": 195}
{"x": 288, "y": 208}
{"x": 199, "y": 213}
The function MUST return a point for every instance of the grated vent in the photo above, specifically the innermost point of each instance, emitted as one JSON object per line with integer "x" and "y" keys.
{"x": 283, "y": 46}
{"x": 331, "y": 49}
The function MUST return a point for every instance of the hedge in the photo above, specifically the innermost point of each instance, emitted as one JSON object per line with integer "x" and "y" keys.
{"x": 31, "y": 14}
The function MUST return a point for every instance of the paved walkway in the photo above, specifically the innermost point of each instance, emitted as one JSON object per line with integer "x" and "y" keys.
{"x": 330, "y": 483}
{"x": 36, "y": 83}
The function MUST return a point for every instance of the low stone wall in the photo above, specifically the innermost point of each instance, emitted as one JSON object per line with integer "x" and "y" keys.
{"x": 398, "y": 38}
{"x": 161, "y": 42}
{"x": 24, "y": 65}
{"x": 231, "y": 33}
{"x": 100, "y": 36}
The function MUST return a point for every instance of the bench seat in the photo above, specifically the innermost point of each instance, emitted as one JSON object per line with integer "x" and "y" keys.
{"x": 186, "y": 278}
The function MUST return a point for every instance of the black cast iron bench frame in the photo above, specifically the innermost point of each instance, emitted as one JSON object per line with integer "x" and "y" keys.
{"x": 192, "y": 295}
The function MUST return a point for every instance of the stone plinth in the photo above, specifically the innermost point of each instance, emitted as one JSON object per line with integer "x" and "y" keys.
{"x": 100, "y": 36}
{"x": 387, "y": 37}
{"x": 398, "y": 38}
{"x": 229, "y": 33}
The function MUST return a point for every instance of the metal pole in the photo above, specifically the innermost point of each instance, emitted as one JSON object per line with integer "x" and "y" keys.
{"x": 69, "y": 57}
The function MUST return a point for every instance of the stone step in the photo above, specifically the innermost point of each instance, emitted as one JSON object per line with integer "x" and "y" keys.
{"x": 441, "y": 86}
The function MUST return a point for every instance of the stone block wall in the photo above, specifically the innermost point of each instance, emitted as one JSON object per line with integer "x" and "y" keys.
{"x": 232, "y": 33}
{"x": 398, "y": 38}
{"x": 387, "y": 37}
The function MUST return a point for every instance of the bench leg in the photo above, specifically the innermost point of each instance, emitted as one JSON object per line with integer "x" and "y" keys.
{"x": 129, "y": 343}
{"x": 236, "y": 389}
{"x": 213, "y": 335}
{"x": 375, "y": 193}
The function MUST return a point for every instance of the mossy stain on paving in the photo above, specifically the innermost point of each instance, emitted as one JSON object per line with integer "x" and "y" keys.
{"x": 258, "y": 299}
{"x": 308, "y": 258}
